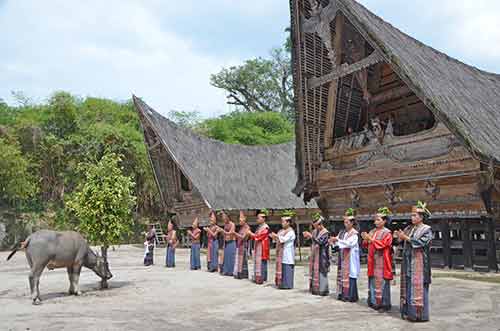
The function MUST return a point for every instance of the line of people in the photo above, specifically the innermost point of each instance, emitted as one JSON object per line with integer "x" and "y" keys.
{"x": 415, "y": 267}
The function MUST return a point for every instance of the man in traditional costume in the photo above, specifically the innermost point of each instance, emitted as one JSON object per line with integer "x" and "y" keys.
{"x": 241, "y": 258}
{"x": 319, "y": 260}
{"x": 348, "y": 260}
{"x": 229, "y": 245}
{"x": 379, "y": 244}
{"x": 416, "y": 266}
{"x": 195, "y": 236}
{"x": 285, "y": 251}
{"x": 261, "y": 251}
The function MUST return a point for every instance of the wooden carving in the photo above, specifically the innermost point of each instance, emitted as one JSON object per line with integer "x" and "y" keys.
{"x": 432, "y": 190}
{"x": 378, "y": 131}
{"x": 390, "y": 195}
{"x": 355, "y": 198}
{"x": 319, "y": 23}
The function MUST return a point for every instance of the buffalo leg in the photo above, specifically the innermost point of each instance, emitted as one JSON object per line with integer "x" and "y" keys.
{"x": 71, "y": 284}
{"x": 35, "y": 274}
{"x": 76, "y": 279}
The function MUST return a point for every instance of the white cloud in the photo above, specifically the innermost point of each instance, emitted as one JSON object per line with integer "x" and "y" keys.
{"x": 108, "y": 49}
{"x": 154, "y": 48}
{"x": 465, "y": 29}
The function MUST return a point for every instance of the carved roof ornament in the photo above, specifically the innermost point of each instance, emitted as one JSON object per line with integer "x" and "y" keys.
{"x": 319, "y": 23}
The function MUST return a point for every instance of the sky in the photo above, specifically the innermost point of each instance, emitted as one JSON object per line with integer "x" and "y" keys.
{"x": 165, "y": 51}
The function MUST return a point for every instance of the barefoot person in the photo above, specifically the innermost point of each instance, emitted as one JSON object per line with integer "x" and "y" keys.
{"x": 171, "y": 239}
{"x": 229, "y": 245}
{"x": 261, "y": 251}
{"x": 319, "y": 261}
{"x": 416, "y": 266}
{"x": 241, "y": 258}
{"x": 213, "y": 243}
{"x": 348, "y": 260}
{"x": 285, "y": 251}
{"x": 195, "y": 236}
{"x": 379, "y": 244}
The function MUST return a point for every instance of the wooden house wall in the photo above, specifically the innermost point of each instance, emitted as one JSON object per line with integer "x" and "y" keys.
{"x": 419, "y": 160}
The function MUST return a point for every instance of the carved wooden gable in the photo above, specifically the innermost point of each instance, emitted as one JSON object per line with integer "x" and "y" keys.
{"x": 331, "y": 68}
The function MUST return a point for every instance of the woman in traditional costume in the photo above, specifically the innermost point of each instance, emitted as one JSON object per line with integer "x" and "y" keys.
{"x": 379, "y": 244}
{"x": 261, "y": 251}
{"x": 171, "y": 239}
{"x": 285, "y": 251}
{"x": 416, "y": 266}
{"x": 348, "y": 260}
{"x": 229, "y": 246}
{"x": 319, "y": 260}
{"x": 241, "y": 259}
{"x": 213, "y": 243}
{"x": 195, "y": 236}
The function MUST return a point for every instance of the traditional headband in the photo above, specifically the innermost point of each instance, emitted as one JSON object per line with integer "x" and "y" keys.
{"x": 350, "y": 214}
{"x": 317, "y": 217}
{"x": 384, "y": 212}
{"x": 264, "y": 212}
{"x": 421, "y": 207}
{"x": 288, "y": 213}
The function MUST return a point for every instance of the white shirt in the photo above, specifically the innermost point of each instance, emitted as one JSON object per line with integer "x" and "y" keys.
{"x": 352, "y": 243}
{"x": 287, "y": 239}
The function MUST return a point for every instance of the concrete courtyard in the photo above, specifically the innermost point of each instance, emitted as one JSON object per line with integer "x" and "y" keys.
{"x": 156, "y": 298}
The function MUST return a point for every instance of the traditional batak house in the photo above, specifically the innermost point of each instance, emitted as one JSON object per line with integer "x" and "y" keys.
{"x": 383, "y": 119}
{"x": 195, "y": 174}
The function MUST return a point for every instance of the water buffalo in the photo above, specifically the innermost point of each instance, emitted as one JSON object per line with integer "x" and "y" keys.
{"x": 60, "y": 250}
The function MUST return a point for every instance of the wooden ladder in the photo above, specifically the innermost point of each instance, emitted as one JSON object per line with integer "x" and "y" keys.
{"x": 160, "y": 240}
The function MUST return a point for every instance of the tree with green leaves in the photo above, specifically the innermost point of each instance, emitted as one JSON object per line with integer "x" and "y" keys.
{"x": 249, "y": 128}
{"x": 63, "y": 119}
{"x": 17, "y": 185}
{"x": 260, "y": 84}
{"x": 103, "y": 204}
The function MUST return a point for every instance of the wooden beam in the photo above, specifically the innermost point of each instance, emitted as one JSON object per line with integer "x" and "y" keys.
{"x": 389, "y": 95}
{"x": 334, "y": 85}
{"x": 156, "y": 144}
{"x": 344, "y": 70}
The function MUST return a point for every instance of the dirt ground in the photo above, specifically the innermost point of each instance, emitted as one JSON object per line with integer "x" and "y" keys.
{"x": 154, "y": 298}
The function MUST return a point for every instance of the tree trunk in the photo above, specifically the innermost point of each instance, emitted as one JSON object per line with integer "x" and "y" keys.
{"x": 104, "y": 254}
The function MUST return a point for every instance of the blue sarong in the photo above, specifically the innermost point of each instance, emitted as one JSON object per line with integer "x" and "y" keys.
{"x": 170, "y": 258}
{"x": 385, "y": 301}
{"x": 229, "y": 256}
{"x": 287, "y": 271}
{"x": 195, "y": 256}
{"x": 213, "y": 266}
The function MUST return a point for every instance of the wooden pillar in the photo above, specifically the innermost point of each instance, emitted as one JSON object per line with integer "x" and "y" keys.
{"x": 299, "y": 241}
{"x": 467, "y": 244}
{"x": 492, "y": 247}
{"x": 445, "y": 231}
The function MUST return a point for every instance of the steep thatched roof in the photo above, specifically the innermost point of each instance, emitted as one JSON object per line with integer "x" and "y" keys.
{"x": 465, "y": 98}
{"x": 229, "y": 176}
